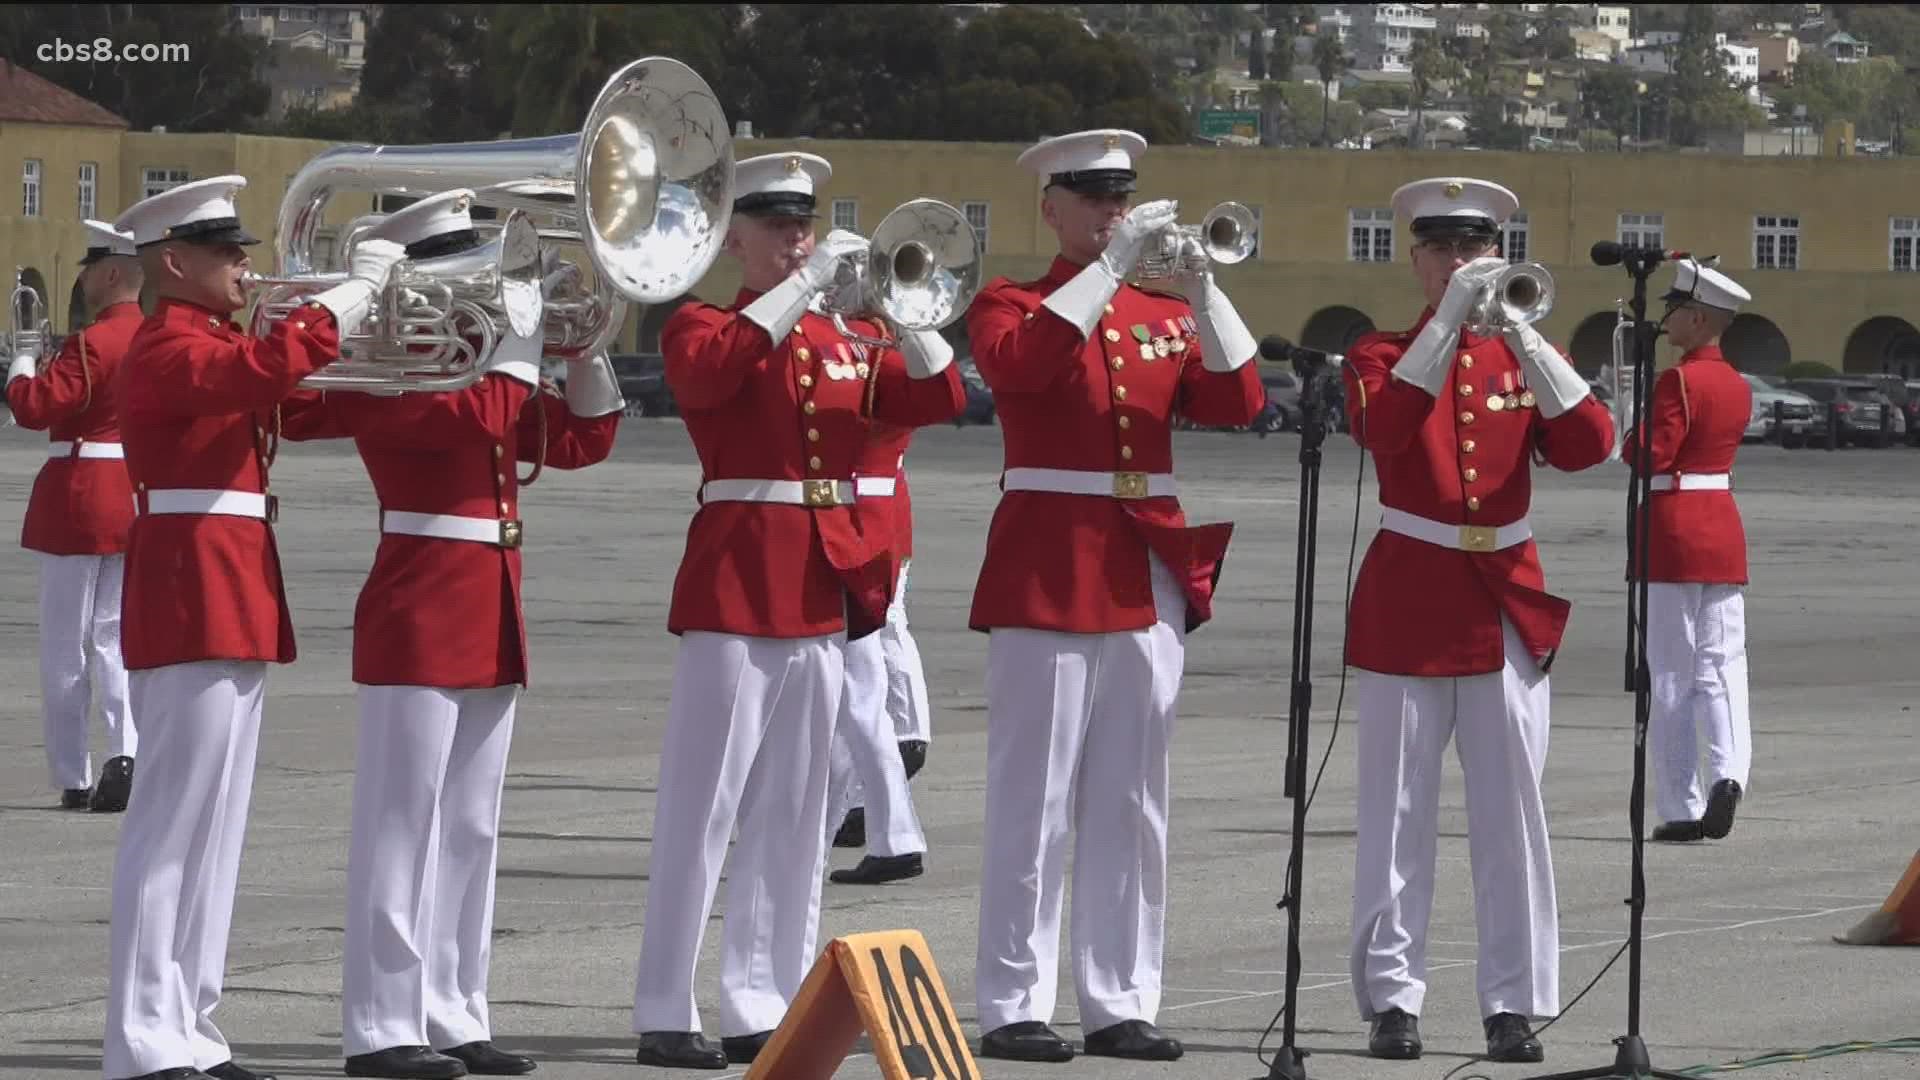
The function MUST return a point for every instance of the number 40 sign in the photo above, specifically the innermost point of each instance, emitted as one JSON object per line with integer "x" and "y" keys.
{"x": 886, "y": 985}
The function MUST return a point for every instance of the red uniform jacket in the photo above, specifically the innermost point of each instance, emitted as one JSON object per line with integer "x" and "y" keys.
{"x": 79, "y": 506}
{"x": 795, "y": 409}
{"x": 198, "y": 409}
{"x": 1700, "y": 411}
{"x": 1077, "y": 563}
{"x": 1424, "y": 610}
{"x": 886, "y": 520}
{"x": 438, "y": 612}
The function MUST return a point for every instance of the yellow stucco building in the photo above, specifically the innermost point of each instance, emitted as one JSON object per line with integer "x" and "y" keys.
{"x": 1829, "y": 247}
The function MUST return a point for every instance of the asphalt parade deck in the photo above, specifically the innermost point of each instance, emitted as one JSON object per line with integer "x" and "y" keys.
{"x": 1739, "y": 957}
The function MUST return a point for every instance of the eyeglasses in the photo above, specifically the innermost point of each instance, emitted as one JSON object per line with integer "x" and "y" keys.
{"x": 1464, "y": 247}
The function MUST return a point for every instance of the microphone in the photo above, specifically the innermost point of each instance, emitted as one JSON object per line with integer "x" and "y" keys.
{"x": 1275, "y": 347}
{"x": 1609, "y": 253}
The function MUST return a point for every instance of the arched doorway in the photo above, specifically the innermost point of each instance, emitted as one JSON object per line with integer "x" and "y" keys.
{"x": 1754, "y": 344}
{"x": 1885, "y": 343}
{"x": 1592, "y": 344}
{"x": 1335, "y": 329}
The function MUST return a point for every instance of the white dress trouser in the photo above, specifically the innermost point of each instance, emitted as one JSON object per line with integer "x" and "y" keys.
{"x": 1697, "y": 664}
{"x": 749, "y": 731}
{"x": 1078, "y": 732}
{"x": 905, "y": 706}
{"x": 866, "y": 753}
{"x": 1499, "y": 722}
{"x": 81, "y": 672}
{"x": 428, "y": 775}
{"x": 179, "y": 864}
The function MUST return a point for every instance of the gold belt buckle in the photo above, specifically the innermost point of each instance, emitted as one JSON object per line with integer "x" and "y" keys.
{"x": 821, "y": 492}
{"x": 510, "y": 534}
{"x": 1130, "y": 485}
{"x": 1478, "y": 538}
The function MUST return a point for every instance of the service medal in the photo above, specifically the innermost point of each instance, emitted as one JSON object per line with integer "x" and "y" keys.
{"x": 1495, "y": 403}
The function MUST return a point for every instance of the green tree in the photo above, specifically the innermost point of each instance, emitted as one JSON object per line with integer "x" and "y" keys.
{"x": 1612, "y": 97}
{"x": 1701, "y": 99}
{"x": 1330, "y": 61}
{"x": 1431, "y": 64}
{"x": 218, "y": 88}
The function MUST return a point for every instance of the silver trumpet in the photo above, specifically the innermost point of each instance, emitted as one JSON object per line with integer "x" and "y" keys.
{"x": 1518, "y": 295}
{"x": 920, "y": 271}
{"x": 645, "y": 188}
{"x": 1225, "y": 236}
{"x": 434, "y": 320}
{"x": 29, "y": 333}
{"x": 1620, "y": 380}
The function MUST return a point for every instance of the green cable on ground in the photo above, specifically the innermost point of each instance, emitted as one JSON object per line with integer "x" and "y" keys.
{"x": 1781, "y": 1057}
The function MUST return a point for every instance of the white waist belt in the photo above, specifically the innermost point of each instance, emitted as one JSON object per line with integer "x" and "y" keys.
{"x": 1692, "y": 482}
{"x": 796, "y": 492}
{"x": 1458, "y": 537}
{"x": 501, "y": 533}
{"x": 207, "y": 501}
{"x": 1122, "y": 485}
{"x": 873, "y": 485}
{"x": 87, "y": 449}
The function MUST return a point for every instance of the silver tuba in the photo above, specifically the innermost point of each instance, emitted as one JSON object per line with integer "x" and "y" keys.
{"x": 1518, "y": 295}
{"x": 29, "y": 333}
{"x": 921, "y": 270}
{"x": 1224, "y": 236}
{"x": 645, "y": 187}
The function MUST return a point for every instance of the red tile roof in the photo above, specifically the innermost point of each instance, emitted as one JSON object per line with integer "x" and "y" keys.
{"x": 28, "y": 98}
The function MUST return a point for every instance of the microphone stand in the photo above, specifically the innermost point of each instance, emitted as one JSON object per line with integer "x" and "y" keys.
{"x": 1289, "y": 1062}
{"x": 1630, "y": 1058}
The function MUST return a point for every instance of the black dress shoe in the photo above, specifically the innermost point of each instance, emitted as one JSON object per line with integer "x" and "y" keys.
{"x": 742, "y": 1049}
{"x": 913, "y": 754}
{"x": 481, "y": 1059}
{"x": 406, "y": 1063}
{"x": 879, "y": 869}
{"x": 1678, "y": 832}
{"x": 226, "y": 1070}
{"x": 75, "y": 798}
{"x": 679, "y": 1050}
{"x": 1027, "y": 1040}
{"x": 1510, "y": 1039}
{"x": 853, "y": 831}
{"x": 1718, "y": 821}
{"x": 1396, "y": 1035}
{"x": 1135, "y": 1039}
{"x": 110, "y": 795}
{"x": 187, "y": 1072}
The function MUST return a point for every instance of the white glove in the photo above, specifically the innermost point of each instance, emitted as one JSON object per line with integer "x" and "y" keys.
{"x": 780, "y": 307}
{"x": 24, "y": 366}
{"x": 592, "y": 389}
{"x": 926, "y": 352}
{"x": 1083, "y": 299}
{"x": 517, "y": 358}
{"x": 1556, "y": 385}
{"x": 351, "y": 300}
{"x": 1427, "y": 360}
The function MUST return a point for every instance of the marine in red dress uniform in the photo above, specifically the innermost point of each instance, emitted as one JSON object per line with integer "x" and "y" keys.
{"x": 1092, "y": 580}
{"x": 1451, "y": 627}
{"x": 77, "y": 519}
{"x": 440, "y": 655}
{"x": 776, "y": 577}
{"x": 1697, "y": 565}
{"x": 204, "y": 611}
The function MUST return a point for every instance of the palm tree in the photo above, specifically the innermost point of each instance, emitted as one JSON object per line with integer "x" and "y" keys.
{"x": 1330, "y": 60}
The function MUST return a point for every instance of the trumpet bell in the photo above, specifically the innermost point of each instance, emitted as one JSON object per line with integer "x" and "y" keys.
{"x": 925, "y": 262}
{"x": 1518, "y": 295}
{"x": 1228, "y": 231}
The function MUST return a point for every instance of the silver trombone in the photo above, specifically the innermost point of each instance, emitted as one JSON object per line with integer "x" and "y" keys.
{"x": 920, "y": 271}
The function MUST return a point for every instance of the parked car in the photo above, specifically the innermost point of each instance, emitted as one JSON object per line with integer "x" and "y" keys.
{"x": 1796, "y": 412}
{"x": 1905, "y": 395}
{"x": 1282, "y": 410}
{"x": 643, "y": 382}
{"x": 979, "y": 408}
{"x": 1865, "y": 411}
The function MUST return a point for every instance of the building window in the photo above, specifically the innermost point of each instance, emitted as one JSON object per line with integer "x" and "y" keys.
{"x": 89, "y": 188}
{"x": 1371, "y": 233}
{"x": 1513, "y": 238}
{"x": 846, "y": 215}
{"x": 155, "y": 181}
{"x": 30, "y": 188}
{"x": 1643, "y": 230}
{"x": 1776, "y": 243}
{"x": 1903, "y": 237}
{"x": 977, "y": 217}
